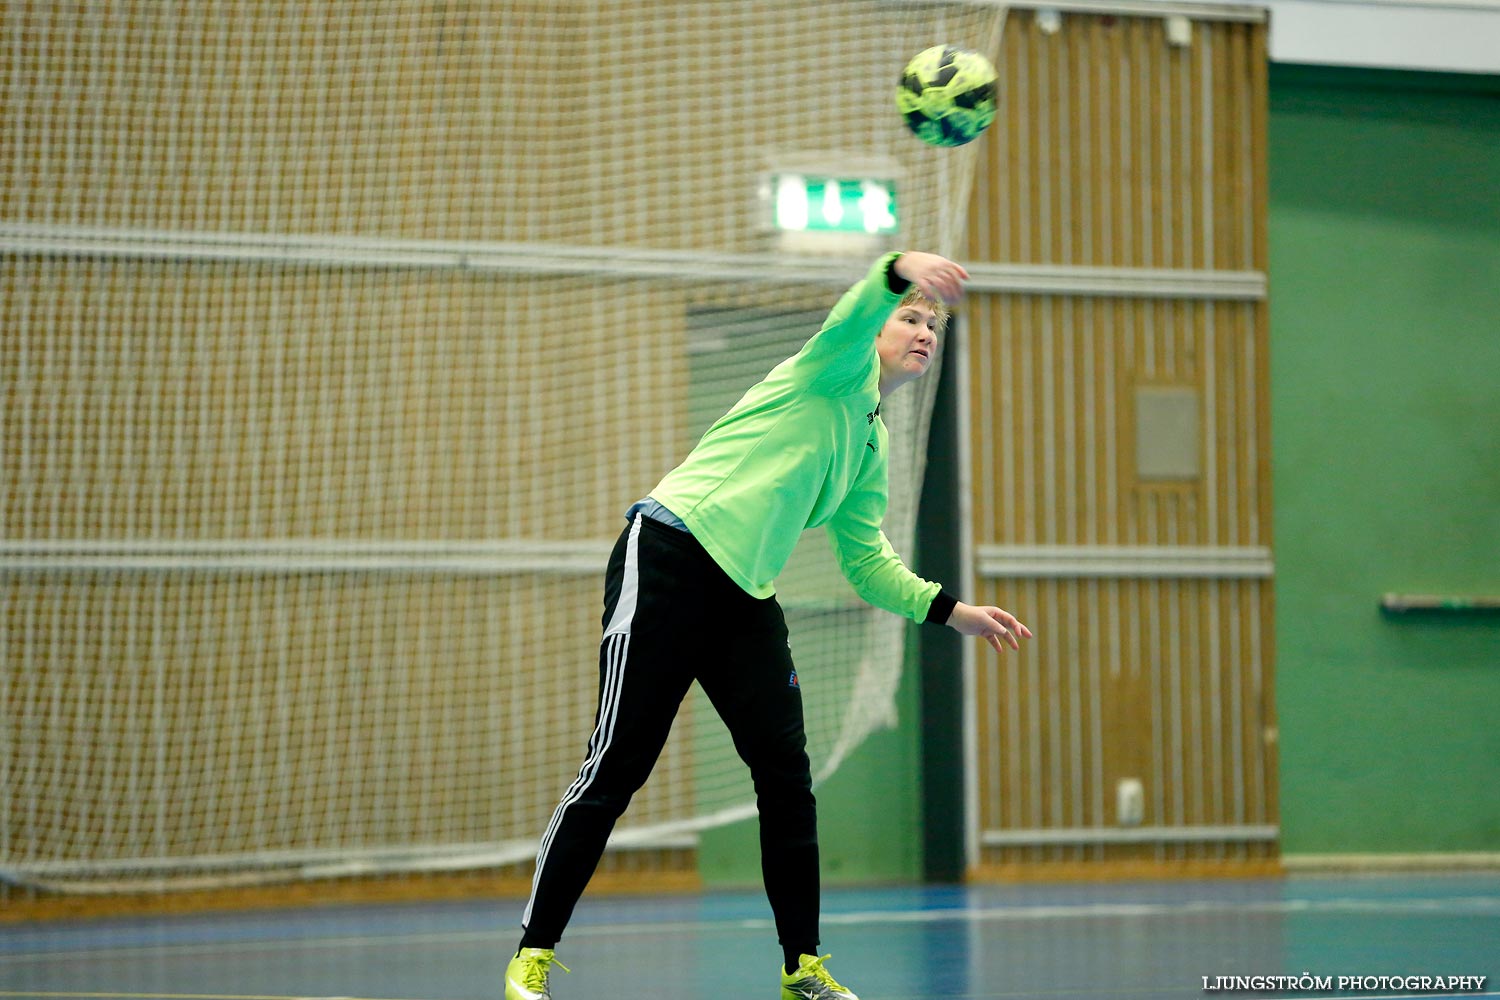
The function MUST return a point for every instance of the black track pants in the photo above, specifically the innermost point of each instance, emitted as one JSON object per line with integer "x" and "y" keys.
{"x": 671, "y": 616}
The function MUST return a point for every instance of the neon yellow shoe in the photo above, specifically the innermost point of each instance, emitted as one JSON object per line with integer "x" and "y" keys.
{"x": 812, "y": 982}
{"x": 526, "y": 975}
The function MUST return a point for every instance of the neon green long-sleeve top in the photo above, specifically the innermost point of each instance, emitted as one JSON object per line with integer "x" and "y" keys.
{"x": 805, "y": 448}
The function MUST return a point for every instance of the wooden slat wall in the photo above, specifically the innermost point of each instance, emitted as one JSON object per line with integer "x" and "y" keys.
{"x": 1116, "y": 149}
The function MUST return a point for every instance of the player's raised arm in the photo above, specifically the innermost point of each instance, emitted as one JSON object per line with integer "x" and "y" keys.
{"x": 938, "y": 278}
{"x": 842, "y": 349}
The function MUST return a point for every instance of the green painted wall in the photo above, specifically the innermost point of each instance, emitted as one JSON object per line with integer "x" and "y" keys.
{"x": 869, "y": 810}
{"x": 1385, "y": 403}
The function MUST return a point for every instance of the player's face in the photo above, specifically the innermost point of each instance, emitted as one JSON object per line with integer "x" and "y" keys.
{"x": 906, "y": 344}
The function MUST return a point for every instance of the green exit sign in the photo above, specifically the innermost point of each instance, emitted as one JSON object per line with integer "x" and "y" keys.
{"x": 809, "y": 204}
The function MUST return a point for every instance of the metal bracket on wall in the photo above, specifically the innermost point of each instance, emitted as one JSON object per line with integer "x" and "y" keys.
{"x": 1410, "y": 605}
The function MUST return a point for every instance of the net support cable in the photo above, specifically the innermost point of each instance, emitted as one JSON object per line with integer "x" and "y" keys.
{"x": 615, "y": 262}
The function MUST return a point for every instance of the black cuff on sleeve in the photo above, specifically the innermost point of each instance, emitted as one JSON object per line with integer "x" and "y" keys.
{"x": 897, "y": 284}
{"x": 941, "y": 609}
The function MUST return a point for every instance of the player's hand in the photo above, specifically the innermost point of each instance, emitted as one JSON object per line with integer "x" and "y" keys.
{"x": 938, "y": 277}
{"x": 996, "y": 626}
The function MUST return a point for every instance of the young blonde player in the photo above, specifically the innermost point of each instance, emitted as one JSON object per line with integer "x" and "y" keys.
{"x": 689, "y": 596}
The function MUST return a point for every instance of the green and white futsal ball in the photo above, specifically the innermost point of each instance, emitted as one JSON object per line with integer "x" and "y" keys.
{"x": 947, "y": 95}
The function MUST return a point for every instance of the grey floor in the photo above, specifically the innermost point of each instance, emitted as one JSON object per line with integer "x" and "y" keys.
{"x": 1145, "y": 940}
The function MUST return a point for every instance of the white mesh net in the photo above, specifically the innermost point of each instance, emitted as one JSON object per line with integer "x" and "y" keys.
{"x": 334, "y": 341}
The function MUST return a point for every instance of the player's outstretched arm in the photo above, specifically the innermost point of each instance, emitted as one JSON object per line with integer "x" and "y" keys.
{"x": 994, "y": 625}
{"x": 938, "y": 277}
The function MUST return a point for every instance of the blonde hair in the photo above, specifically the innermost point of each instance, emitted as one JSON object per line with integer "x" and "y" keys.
{"x": 915, "y": 296}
